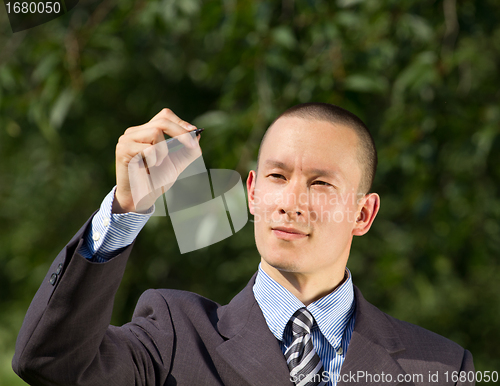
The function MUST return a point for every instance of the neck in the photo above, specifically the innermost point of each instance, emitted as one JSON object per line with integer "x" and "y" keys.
{"x": 307, "y": 287}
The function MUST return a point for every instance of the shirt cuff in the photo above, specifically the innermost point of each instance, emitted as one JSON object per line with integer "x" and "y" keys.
{"x": 110, "y": 233}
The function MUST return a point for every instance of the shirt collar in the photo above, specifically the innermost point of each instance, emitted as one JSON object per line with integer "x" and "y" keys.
{"x": 331, "y": 312}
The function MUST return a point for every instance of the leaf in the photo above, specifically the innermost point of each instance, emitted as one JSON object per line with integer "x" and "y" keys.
{"x": 283, "y": 36}
{"x": 365, "y": 83}
{"x": 61, "y": 107}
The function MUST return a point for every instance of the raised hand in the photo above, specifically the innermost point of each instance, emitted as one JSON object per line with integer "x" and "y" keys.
{"x": 145, "y": 168}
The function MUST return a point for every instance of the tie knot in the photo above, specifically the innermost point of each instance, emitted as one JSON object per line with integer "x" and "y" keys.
{"x": 302, "y": 322}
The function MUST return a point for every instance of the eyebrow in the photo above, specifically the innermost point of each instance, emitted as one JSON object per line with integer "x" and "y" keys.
{"x": 316, "y": 171}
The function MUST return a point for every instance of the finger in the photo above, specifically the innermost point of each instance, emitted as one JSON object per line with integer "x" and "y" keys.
{"x": 170, "y": 115}
{"x": 187, "y": 139}
{"x": 161, "y": 149}
{"x": 152, "y": 132}
{"x": 181, "y": 159}
{"x": 149, "y": 155}
{"x": 140, "y": 184}
{"x": 167, "y": 127}
{"x": 149, "y": 134}
{"x": 156, "y": 154}
{"x": 126, "y": 150}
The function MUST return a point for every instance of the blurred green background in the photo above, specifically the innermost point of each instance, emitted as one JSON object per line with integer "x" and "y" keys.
{"x": 422, "y": 74}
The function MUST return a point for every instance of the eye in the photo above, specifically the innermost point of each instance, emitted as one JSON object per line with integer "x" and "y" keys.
{"x": 276, "y": 176}
{"x": 321, "y": 183}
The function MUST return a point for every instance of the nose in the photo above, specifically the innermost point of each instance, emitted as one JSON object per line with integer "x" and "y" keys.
{"x": 294, "y": 200}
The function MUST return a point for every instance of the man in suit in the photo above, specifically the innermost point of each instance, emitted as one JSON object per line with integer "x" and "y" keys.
{"x": 300, "y": 320}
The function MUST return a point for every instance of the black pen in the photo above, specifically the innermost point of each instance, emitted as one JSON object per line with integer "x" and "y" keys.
{"x": 174, "y": 141}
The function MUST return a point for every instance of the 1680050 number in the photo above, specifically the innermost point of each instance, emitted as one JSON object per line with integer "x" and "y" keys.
{"x": 471, "y": 376}
{"x": 33, "y": 7}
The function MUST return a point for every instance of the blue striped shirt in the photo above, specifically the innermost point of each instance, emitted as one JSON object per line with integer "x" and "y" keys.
{"x": 333, "y": 314}
{"x": 109, "y": 233}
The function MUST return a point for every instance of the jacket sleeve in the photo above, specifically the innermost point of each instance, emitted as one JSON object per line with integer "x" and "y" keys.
{"x": 66, "y": 338}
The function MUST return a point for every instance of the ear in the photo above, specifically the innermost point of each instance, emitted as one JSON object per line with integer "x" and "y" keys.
{"x": 369, "y": 206}
{"x": 252, "y": 176}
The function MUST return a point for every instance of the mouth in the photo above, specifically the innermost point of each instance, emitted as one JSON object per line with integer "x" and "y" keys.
{"x": 288, "y": 233}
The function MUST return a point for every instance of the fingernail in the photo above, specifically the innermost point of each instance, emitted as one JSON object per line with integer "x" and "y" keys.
{"x": 191, "y": 127}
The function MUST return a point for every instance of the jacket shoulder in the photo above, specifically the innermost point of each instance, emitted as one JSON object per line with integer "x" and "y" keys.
{"x": 180, "y": 305}
{"x": 416, "y": 336}
{"x": 406, "y": 338}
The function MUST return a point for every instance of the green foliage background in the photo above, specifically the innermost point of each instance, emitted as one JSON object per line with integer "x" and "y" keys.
{"x": 423, "y": 75}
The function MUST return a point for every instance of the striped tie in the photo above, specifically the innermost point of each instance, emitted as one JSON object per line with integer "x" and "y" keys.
{"x": 305, "y": 366}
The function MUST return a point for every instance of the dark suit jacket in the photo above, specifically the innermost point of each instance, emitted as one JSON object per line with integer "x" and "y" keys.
{"x": 180, "y": 338}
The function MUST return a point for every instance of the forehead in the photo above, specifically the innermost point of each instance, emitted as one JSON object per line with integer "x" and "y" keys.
{"x": 311, "y": 143}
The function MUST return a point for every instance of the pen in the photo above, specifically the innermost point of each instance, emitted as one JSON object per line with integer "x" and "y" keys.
{"x": 174, "y": 141}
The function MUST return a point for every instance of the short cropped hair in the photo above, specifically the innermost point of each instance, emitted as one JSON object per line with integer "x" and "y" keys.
{"x": 367, "y": 153}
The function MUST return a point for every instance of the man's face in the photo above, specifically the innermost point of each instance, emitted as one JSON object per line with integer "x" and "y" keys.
{"x": 304, "y": 197}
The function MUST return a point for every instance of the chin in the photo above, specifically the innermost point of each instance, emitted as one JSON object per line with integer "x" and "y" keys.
{"x": 282, "y": 262}
{"x": 281, "y": 256}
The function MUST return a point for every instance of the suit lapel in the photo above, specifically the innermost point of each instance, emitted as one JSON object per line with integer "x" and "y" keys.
{"x": 372, "y": 345}
{"x": 251, "y": 349}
